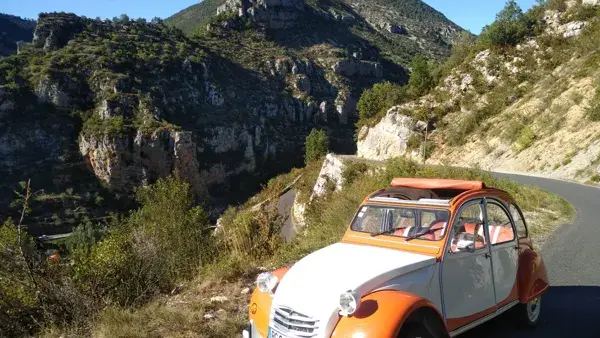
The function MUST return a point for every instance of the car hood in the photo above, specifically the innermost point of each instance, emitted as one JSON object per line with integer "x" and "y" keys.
{"x": 313, "y": 285}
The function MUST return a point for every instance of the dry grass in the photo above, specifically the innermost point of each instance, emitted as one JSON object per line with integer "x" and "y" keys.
{"x": 190, "y": 313}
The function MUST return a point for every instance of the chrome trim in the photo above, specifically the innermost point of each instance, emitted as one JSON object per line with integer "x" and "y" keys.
{"x": 482, "y": 320}
{"x": 292, "y": 323}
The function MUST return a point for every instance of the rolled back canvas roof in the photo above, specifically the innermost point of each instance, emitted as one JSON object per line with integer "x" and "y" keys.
{"x": 432, "y": 184}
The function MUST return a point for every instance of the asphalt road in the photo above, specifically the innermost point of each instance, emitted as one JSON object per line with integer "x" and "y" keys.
{"x": 572, "y": 255}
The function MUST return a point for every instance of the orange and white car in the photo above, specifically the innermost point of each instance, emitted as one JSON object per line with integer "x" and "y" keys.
{"x": 422, "y": 258}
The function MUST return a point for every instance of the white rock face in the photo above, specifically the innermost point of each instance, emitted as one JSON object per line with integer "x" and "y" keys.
{"x": 591, "y": 2}
{"x": 572, "y": 29}
{"x": 331, "y": 171}
{"x": 388, "y": 138}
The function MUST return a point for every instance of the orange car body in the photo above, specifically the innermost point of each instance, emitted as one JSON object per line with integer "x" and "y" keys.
{"x": 399, "y": 279}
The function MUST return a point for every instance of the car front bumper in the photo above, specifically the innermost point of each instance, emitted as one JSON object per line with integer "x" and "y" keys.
{"x": 251, "y": 332}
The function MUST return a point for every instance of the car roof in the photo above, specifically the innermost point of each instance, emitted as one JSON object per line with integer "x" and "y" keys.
{"x": 430, "y": 191}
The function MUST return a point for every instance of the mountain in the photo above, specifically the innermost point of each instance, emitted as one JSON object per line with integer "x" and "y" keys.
{"x": 400, "y": 29}
{"x": 112, "y": 105}
{"x": 12, "y": 30}
{"x": 194, "y": 17}
{"x": 526, "y": 102}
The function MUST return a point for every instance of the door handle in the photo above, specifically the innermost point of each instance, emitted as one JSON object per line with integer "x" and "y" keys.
{"x": 487, "y": 255}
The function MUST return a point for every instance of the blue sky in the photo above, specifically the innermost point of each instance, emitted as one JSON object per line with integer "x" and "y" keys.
{"x": 473, "y": 14}
{"x": 470, "y": 14}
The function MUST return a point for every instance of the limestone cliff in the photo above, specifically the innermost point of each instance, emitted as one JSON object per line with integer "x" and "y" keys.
{"x": 532, "y": 108}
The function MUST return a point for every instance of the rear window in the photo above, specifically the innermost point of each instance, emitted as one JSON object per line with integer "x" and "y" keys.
{"x": 401, "y": 221}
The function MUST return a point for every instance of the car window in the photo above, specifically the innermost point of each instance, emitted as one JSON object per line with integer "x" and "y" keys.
{"x": 401, "y": 222}
{"x": 500, "y": 228}
{"x": 519, "y": 222}
{"x": 468, "y": 232}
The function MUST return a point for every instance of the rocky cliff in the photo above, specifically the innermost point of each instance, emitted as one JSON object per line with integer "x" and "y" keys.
{"x": 106, "y": 106}
{"x": 529, "y": 108}
{"x": 398, "y": 29}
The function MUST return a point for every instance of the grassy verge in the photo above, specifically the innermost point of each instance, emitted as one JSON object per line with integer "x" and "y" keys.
{"x": 195, "y": 312}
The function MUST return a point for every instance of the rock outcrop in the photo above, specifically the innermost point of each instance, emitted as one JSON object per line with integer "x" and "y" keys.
{"x": 591, "y": 2}
{"x": 273, "y": 14}
{"x": 389, "y": 138}
{"x": 124, "y": 163}
{"x": 55, "y": 30}
{"x": 353, "y": 67}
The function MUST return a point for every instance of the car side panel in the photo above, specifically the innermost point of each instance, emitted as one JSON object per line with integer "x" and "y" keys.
{"x": 381, "y": 314}
{"x": 533, "y": 279}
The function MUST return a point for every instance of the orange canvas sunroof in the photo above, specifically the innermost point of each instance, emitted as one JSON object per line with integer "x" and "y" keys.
{"x": 428, "y": 183}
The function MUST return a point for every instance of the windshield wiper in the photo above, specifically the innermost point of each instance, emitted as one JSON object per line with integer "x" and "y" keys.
{"x": 422, "y": 233}
{"x": 373, "y": 234}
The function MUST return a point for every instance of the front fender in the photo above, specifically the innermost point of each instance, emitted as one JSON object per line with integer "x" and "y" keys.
{"x": 263, "y": 301}
{"x": 381, "y": 314}
{"x": 533, "y": 279}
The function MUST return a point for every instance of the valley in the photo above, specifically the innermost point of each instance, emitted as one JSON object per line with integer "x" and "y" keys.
{"x": 178, "y": 151}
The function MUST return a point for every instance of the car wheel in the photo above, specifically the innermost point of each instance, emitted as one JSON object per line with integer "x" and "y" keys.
{"x": 415, "y": 330}
{"x": 528, "y": 314}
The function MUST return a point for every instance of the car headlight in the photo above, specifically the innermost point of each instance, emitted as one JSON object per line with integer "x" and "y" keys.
{"x": 349, "y": 303}
{"x": 266, "y": 282}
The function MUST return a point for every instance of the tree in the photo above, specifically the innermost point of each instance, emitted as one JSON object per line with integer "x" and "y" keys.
{"x": 510, "y": 28}
{"x": 377, "y": 100}
{"x": 317, "y": 145}
{"x": 421, "y": 78}
{"x": 124, "y": 18}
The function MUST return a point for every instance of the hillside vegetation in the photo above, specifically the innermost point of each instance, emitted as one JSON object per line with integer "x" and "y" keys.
{"x": 399, "y": 30}
{"x": 522, "y": 98}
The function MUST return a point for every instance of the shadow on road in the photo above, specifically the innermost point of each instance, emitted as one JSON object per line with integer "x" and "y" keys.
{"x": 567, "y": 311}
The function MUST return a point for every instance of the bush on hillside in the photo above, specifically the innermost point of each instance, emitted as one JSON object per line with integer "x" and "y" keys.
{"x": 511, "y": 27}
{"x": 461, "y": 49}
{"x": 149, "y": 251}
{"x": 252, "y": 233}
{"x": 421, "y": 79}
{"x": 526, "y": 138}
{"x": 317, "y": 145}
{"x": 374, "y": 102}
{"x": 593, "y": 112}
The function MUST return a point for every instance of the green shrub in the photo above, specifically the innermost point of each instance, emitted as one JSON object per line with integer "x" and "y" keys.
{"x": 593, "y": 111}
{"x": 557, "y": 5}
{"x": 157, "y": 245}
{"x": 353, "y": 170}
{"x": 374, "y": 102}
{"x": 252, "y": 234}
{"x": 595, "y": 178}
{"x": 317, "y": 145}
{"x": 526, "y": 138}
{"x": 510, "y": 28}
{"x": 421, "y": 80}
{"x": 429, "y": 149}
{"x": 414, "y": 142}
{"x": 96, "y": 126}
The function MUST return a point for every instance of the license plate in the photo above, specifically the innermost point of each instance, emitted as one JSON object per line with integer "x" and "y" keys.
{"x": 276, "y": 334}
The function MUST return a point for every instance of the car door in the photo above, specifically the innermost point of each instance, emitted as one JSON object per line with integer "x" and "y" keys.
{"x": 504, "y": 249}
{"x": 467, "y": 282}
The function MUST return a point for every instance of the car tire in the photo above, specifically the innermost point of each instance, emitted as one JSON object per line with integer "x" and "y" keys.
{"x": 528, "y": 315}
{"x": 415, "y": 330}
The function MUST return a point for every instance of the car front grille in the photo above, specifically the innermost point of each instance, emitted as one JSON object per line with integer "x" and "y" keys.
{"x": 294, "y": 323}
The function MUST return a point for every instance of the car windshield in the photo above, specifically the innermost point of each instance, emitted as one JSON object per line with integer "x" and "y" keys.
{"x": 401, "y": 222}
